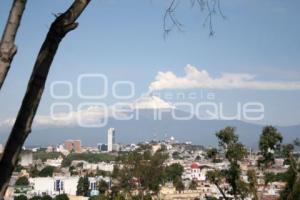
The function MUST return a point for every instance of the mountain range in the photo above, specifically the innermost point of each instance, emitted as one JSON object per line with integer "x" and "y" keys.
{"x": 147, "y": 128}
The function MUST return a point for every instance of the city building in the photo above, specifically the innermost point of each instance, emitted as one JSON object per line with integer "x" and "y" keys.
{"x": 26, "y": 158}
{"x": 110, "y": 139}
{"x": 193, "y": 172}
{"x": 73, "y": 145}
{"x": 62, "y": 185}
{"x": 54, "y": 185}
{"x": 102, "y": 147}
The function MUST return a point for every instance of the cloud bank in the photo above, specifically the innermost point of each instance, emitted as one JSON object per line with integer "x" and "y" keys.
{"x": 94, "y": 114}
{"x": 195, "y": 78}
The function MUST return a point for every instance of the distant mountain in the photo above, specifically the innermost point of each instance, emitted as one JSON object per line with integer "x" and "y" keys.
{"x": 148, "y": 128}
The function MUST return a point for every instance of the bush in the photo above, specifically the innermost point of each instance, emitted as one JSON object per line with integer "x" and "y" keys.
{"x": 46, "y": 155}
{"x": 47, "y": 171}
{"x": 89, "y": 157}
{"x": 36, "y": 198}
{"x": 22, "y": 181}
{"x": 46, "y": 197}
{"x": 61, "y": 197}
{"x": 20, "y": 197}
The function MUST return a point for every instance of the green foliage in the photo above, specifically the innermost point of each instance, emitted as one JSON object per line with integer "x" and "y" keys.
{"x": 20, "y": 197}
{"x": 193, "y": 185}
{"x": 291, "y": 190}
{"x": 43, "y": 155}
{"x": 215, "y": 176}
{"x": 235, "y": 152}
{"x": 269, "y": 142}
{"x": 83, "y": 186}
{"x": 89, "y": 157}
{"x": 212, "y": 154}
{"x": 142, "y": 170}
{"x": 18, "y": 168}
{"x": 272, "y": 177}
{"x": 61, "y": 197}
{"x": 22, "y": 181}
{"x": 227, "y": 136}
{"x": 102, "y": 186}
{"x": 34, "y": 172}
{"x": 99, "y": 197}
{"x": 36, "y": 198}
{"x": 172, "y": 171}
{"x": 178, "y": 184}
{"x": 47, "y": 171}
{"x": 46, "y": 197}
{"x": 252, "y": 183}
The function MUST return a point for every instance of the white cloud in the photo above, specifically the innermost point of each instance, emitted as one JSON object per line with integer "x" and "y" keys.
{"x": 94, "y": 114}
{"x": 195, "y": 78}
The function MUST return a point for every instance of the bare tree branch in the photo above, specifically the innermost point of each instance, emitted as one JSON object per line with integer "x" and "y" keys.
{"x": 63, "y": 24}
{"x": 7, "y": 47}
{"x": 212, "y": 7}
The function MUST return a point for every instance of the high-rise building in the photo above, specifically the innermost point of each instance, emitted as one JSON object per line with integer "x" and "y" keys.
{"x": 73, "y": 145}
{"x": 110, "y": 139}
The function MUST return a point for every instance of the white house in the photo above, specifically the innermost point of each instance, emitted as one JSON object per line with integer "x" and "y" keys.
{"x": 58, "y": 185}
{"x": 193, "y": 172}
{"x": 54, "y": 185}
{"x": 108, "y": 167}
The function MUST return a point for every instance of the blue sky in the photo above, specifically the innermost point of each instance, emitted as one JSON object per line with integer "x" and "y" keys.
{"x": 124, "y": 40}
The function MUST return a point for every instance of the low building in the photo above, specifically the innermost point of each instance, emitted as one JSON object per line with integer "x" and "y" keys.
{"x": 26, "y": 158}
{"x": 73, "y": 145}
{"x": 194, "y": 173}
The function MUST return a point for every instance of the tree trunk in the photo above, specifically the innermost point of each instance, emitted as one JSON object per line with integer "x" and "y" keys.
{"x": 220, "y": 190}
{"x": 7, "y": 47}
{"x": 22, "y": 126}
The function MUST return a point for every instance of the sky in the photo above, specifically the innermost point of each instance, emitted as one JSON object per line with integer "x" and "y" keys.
{"x": 252, "y": 57}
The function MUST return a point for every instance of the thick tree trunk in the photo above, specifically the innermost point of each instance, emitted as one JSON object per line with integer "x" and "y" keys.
{"x": 22, "y": 127}
{"x": 7, "y": 47}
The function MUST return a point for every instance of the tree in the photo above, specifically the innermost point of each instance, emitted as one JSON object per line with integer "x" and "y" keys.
{"x": 83, "y": 186}
{"x": 178, "y": 184}
{"x": 7, "y": 47}
{"x": 102, "y": 186}
{"x": 63, "y": 24}
{"x": 269, "y": 142}
{"x": 61, "y": 197}
{"x": 20, "y": 197}
{"x": 227, "y": 136}
{"x": 47, "y": 171}
{"x": 193, "y": 185}
{"x": 173, "y": 171}
{"x": 217, "y": 177}
{"x": 212, "y": 154}
{"x": 46, "y": 197}
{"x": 291, "y": 190}
{"x": 252, "y": 179}
{"x": 22, "y": 181}
{"x": 142, "y": 171}
{"x": 234, "y": 152}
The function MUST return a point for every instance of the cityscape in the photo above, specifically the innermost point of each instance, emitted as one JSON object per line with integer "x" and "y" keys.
{"x": 182, "y": 170}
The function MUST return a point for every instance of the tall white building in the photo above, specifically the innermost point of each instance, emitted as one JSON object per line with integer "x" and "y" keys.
{"x": 110, "y": 139}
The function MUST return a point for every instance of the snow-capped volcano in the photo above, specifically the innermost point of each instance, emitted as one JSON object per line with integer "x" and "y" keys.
{"x": 150, "y": 101}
